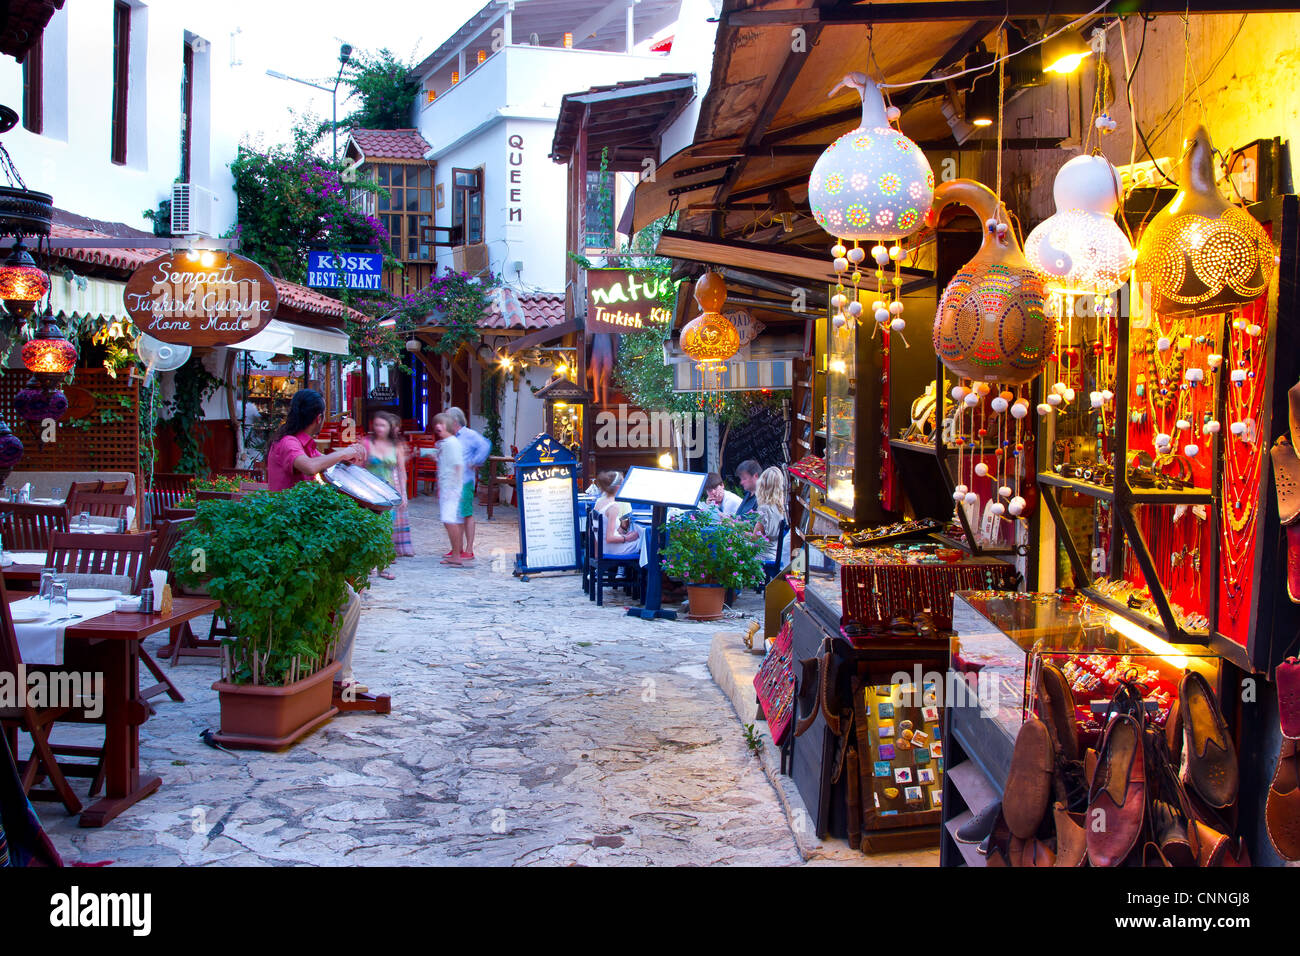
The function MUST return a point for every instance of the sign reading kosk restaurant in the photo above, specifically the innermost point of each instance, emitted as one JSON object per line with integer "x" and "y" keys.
{"x": 201, "y": 298}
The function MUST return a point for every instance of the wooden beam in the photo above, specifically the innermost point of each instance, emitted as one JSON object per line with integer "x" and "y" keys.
{"x": 940, "y": 10}
{"x": 542, "y": 336}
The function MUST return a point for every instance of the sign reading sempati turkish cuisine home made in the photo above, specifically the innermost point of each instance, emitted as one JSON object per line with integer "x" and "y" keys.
{"x": 624, "y": 300}
{"x": 201, "y": 298}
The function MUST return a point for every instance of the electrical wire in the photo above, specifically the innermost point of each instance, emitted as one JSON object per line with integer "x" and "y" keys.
{"x": 975, "y": 69}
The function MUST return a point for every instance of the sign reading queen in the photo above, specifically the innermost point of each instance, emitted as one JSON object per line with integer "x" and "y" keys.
{"x": 201, "y": 298}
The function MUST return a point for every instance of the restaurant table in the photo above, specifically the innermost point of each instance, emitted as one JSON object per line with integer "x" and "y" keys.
{"x": 110, "y": 644}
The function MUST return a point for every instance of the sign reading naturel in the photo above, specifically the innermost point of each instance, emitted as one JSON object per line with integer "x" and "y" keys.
{"x": 620, "y": 300}
{"x": 201, "y": 298}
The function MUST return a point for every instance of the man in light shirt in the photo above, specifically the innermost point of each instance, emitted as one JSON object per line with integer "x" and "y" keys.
{"x": 476, "y": 448}
{"x": 717, "y": 496}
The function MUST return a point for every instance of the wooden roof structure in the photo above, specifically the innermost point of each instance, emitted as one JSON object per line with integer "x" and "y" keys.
{"x": 626, "y": 118}
{"x": 21, "y": 24}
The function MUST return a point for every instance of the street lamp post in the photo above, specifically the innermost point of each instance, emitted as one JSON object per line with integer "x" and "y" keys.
{"x": 345, "y": 54}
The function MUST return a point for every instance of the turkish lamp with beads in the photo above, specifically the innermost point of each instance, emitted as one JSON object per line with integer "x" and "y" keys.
{"x": 22, "y": 283}
{"x": 710, "y": 338}
{"x": 11, "y": 450}
{"x": 49, "y": 355}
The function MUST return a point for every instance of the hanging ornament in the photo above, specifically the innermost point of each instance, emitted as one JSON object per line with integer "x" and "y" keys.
{"x": 1201, "y": 254}
{"x": 11, "y": 451}
{"x": 873, "y": 183}
{"x": 1080, "y": 250}
{"x": 710, "y": 338}
{"x": 34, "y": 402}
{"x": 991, "y": 323}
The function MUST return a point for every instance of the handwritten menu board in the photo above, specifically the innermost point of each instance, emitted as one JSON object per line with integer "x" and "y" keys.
{"x": 546, "y": 481}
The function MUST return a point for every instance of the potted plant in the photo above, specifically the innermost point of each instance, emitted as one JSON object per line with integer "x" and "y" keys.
{"x": 278, "y": 562}
{"x": 215, "y": 483}
{"x": 712, "y": 553}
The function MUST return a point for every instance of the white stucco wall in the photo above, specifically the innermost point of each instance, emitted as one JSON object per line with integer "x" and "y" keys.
{"x": 70, "y": 159}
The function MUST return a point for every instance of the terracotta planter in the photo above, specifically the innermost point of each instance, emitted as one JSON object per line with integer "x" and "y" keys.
{"x": 272, "y": 718}
{"x": 706, "y": 600}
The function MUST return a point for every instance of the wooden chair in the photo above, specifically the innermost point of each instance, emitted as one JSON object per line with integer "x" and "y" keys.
{"x": 27, "y": 527}
{"x": 99, "y": 504}
{"x": 36, "y": 722}
{"x": 113, "y": 487}
{"x": 419, "y": 468}
{"x": 603, "y": 565}
{"x": 174, "y": 514}
{"x": 83, "y": 487}
{"x": 125, "y": 555}
{"x": 166, "y": 490}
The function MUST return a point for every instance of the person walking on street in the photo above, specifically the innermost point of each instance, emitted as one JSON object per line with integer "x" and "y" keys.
{"x": 386, "y": 460}
{"x": 476, "y": 449}
{"x": 451, "y": 485}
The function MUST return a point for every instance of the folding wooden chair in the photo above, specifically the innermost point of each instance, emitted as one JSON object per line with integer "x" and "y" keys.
{"x": 36, "y": 722}
{"x": 418, "y": 467}
{"x": 100, "y": 504}
{"x": 165, "y": 492}
{"x": 27, "y": 527}
{"x": 116, "y": 555}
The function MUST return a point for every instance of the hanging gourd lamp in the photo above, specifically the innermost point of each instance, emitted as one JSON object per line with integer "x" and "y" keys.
{"x": 991, "y": 324}
{"x": 1080, "y": 250}
{"x": 873, "y": 183}
{"x": 49, "y": 356}
{"x": 22, "y": 283}
{"x": 11, "y": 451}
{"x": 710, "y": 338}
{"x": 1201, "y": 254}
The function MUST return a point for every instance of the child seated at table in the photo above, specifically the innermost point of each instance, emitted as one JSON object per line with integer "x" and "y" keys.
{"x": 620, "y": 538}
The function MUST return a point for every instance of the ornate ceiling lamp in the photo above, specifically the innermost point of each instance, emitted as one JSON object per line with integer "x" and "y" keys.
{"x": 35, "y": 403}
{"x": 49, "y": 356}
{"x": 22, "y": 283}
{"x": 710, "y": 338}
{"x": 1201, "y": 254}
{"x": 11, "y": 451}
{"x": 873, "y": 183}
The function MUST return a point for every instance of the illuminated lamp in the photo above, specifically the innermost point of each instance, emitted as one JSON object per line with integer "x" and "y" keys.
{"x": 568, "y": 41}
{"x": 1201, "y": 254}
{"x": 710, "y": 338}
{"x": 35, "y": 403}
{"x": 455, "y": 77}
{"x": 11, "y": 450}
{"x": 982, "y": 99}
{"x": 1065, "y": 53}
{"x": 49, "y": 353}
{"x": 22, "y": 282}
{"x": 482, "y": 55}
{"x": 1080, "y": 250}
{"x": 873, "y": 183}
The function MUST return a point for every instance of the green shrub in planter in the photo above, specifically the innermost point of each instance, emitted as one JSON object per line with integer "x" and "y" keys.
{"x": 705, "y": 547}
{"x": 279, "y": 561}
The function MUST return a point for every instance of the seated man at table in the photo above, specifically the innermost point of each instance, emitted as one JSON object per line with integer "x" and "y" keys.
{"x": 747, "y": 473}
{"x": 294, "y": 457}
{"x": 717, "y": 497}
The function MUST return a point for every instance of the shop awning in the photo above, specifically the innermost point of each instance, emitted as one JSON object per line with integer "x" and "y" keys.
{"x": 739, "y": 376}
{"x": 88, "y": 298}
{"x": 281, "y": 338}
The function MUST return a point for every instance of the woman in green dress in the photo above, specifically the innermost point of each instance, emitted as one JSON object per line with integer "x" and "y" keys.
{"x": 386, "y": 459}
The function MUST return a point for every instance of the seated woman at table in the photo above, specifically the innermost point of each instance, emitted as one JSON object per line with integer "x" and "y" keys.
{"x": 294, "y": 457}
{"x": 620, "y": 539}
{"x": 770, "y": 493}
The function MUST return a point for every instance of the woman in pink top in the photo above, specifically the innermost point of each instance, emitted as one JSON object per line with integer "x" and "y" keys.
{"x": 294, "y": 456}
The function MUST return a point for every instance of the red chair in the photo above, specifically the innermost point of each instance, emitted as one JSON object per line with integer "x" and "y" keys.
{"x": 418, "y": 467}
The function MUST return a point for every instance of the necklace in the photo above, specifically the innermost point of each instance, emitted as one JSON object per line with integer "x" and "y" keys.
{"x": 1242, "y": 460}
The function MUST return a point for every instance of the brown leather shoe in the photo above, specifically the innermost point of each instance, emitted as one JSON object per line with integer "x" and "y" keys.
{"x": 1171, "y": 836}
{"x": 1071, "y": 837}
{"x": 1117, "y": 798}
{"x": 1056, "y": 708}
{"x": 1089, "y": 766}
{"x": 1031, "y": 852}
{"x": 1282, "y": 811}
{"x": 1217, "y": 849}
{"x": 1288, "y": 697}
{"x": 1029, "y": 781}
{"x": 1209, "y": 760}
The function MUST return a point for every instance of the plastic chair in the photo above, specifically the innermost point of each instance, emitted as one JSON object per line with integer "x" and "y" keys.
{"x": 603, "y": 564}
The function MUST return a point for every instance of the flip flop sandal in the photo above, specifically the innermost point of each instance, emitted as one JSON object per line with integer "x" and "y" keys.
{"x": 452, "y": 564}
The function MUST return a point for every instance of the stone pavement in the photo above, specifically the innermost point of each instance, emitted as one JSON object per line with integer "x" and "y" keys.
{"x": 529, "y": 727}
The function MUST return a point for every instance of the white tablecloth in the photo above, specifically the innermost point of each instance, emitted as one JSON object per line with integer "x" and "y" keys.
{"x": 109, "y": 523}
{"x": 24, "y": 557}
{"x": 42, "y": 643}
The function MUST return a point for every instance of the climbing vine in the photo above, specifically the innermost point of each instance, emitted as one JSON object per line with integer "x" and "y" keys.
{"x": 193, "y": 385}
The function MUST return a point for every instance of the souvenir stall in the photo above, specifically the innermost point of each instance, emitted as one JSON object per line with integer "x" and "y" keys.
{"x": 1041, "y": 551}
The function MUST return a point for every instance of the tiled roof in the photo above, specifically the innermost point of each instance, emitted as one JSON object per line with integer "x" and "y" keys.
{"x": 293, "y": 297}
{"x": 527, "y": 311}
{"x": 389, "y": 143}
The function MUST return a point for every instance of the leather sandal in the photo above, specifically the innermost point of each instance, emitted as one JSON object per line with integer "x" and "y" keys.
{"x": 1117, "y": 798}
{"x": 1029, "y": 781}
{"x": 1209, "y": 759}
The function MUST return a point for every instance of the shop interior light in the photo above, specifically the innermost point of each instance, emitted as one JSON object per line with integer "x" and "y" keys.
{"x": 1156, "y": 645}
{"x": 568, "y": 41}
{"x": 455, "y": 77}
{"x": 22, "y": 282}
{"x": 785, "y": 209}
{"x": 1065, "y": 53}
{"x": 982, "y": 99}
{"x": 666, "y": 461}
{"x": 482, "y": 55}
{"x": 710, "y": 338}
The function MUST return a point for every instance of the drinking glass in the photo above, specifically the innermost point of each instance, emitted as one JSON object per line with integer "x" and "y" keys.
{"x": 83, "y": 520}
{"x": 56, "y": 493}
{"x": 47, "y": 579}
{"x": 59, "y": 598}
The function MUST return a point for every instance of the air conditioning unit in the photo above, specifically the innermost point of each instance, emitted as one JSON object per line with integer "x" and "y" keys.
{"x": 191, "y": 210}
{"x": 472, "y": 259}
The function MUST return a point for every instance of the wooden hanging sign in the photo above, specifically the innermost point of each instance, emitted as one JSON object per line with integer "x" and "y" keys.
{"x": 201, "y": 298}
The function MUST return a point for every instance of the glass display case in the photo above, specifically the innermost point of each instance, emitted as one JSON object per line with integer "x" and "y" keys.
{"x": 841, "y": 418}
{"x": 1003, "y": 637}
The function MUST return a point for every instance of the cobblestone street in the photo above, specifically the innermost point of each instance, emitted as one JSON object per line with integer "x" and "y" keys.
{"x": 528, "y": 727}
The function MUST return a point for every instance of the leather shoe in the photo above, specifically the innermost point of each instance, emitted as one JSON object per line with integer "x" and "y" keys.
{"x": 1071, "y": 837}
{"x": 1029, "y": 781}
{"x": 1288, "y": 697}
{"x": 980, "y": 825}
{"x": 1171, "y": 836}
{"x": 1056, "y": 708}
{"x": 1209, "y": 760}
{"x": 1117, "y": 798}
{"x": 1282, "y": 811}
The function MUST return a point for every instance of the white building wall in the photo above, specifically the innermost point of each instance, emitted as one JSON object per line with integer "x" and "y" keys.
{"x": 70, "y": 159}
